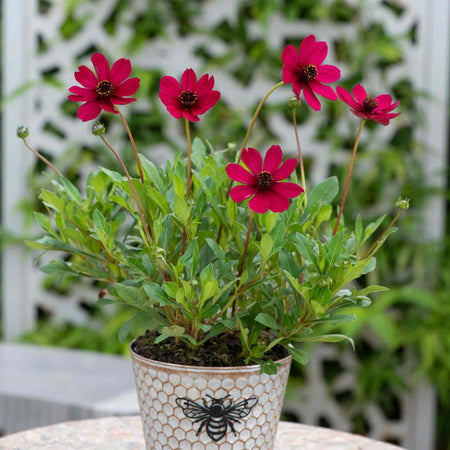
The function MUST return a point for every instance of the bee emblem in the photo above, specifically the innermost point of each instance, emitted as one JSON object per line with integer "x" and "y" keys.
{"x": 216, "y": 414}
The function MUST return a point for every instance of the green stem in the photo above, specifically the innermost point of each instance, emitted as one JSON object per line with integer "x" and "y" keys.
{"x": 302, "y": 169}
{"x": 188, "y": 178}
{"x": 250, "y": 128}
{"x": 130, "y": 182}
{"x": 341, "y": 208}
{"x": 367, "y": 254}
{"x": 42, "y": 158}
{"x": 133, "y": 144}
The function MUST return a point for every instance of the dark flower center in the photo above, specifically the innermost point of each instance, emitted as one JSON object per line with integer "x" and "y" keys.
{"x": 264, "y": 180}
{"x": 308, "y": 73}
{"x": 104, "y": 88}
{"x": 369, "y": 104}
{"x": 188, "y": 98}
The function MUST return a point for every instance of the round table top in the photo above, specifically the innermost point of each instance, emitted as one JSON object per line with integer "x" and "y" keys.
{"x": 125, "y": 433}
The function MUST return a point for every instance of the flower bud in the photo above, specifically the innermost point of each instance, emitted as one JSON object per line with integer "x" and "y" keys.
{"x": 231, "y": 146}
{"x": 402, "y": 203}
{"x": 98, "y": 129}
{"x": 22, "y": 132}
{"x": 294, "y": 102}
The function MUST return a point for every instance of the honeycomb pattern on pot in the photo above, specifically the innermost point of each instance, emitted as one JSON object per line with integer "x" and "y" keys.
{"x": 167, "y": 427}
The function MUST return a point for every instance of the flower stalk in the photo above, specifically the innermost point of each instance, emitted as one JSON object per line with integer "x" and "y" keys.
{"x": 41, "y": 157}
{"x": 188, "y": 177}
{"x": 133, "y": 144}
{"x": 350, "y": 170}
{"x": 300, "y": 158}
{"x": 133, "y": 191}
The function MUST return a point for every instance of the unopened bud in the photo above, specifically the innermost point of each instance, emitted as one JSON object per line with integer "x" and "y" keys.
{"x": 402, "y": 203}
{"x": 98, "y": 129}
{"x": 231, "y": 146}
{"x": 22, "y": 132}
{"x": 294, "y": 102}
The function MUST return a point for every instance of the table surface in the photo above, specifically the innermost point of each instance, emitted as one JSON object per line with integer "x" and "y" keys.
{"x": 125, "y": 433}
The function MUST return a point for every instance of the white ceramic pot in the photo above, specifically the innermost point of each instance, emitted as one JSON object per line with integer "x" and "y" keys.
{"x": 209, "y": 408}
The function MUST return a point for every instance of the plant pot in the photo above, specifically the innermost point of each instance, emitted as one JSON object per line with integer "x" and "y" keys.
{"x": 212, "y": 408}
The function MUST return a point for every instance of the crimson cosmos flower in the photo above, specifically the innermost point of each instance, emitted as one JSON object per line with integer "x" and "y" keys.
{"x": 377, "y": 109}
{"x": 304, "y": 69}
{"x": 190, "y": 98}
{"x": 263, "y": 181}
{"x": 110, "y": 87}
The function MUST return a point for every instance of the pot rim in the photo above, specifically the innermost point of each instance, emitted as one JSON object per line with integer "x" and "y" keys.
{"x": 216, "y": 369}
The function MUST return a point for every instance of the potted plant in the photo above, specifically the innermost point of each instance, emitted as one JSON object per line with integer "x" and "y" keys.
{"x": 231, "y": 278}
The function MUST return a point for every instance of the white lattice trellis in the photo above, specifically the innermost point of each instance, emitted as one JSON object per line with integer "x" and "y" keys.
{"x": 427, "y": 63}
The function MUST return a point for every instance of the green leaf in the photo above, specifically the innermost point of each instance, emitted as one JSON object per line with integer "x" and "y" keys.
{"x": 268, "y": 321}
{"x": 116, "y": 177}
{"x": 125, "y": 330}
{"x": 45, "y": 223}
{"x": 173, "y": 331}
{"x": 215, "y": 248}
{"x": 298, "y": 355}
{"x": 178, "y": 185}
{"x": 71, "y": 190}
{"x": 171, "y": 289}
{"x": 372, "y": 289}
{"x": 156, "y": 293}
{"x": 372, "y": 227}
{"x": 358, "y": 232}
{"x": 152, "y": 173}
{"x": 181, "y": 210}
{"x": 327, "y": 338}
{"x": 209, "y": 289}
{"x": 198, "y": 154}
{"x": 306, "y": 249}
{"x": 324, "y": 192}
{"x": 266, "y": 247}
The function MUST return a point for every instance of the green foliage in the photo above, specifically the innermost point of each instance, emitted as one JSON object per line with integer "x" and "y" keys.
{"x": 187, "y": 283}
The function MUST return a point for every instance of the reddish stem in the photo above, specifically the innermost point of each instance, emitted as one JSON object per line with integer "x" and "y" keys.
{"x": 341, "y": 208}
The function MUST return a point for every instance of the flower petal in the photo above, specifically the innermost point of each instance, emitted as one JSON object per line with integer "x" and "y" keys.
{"x": 273, "y": 158}
{"x": 120, "y": 71}
{"x": 260, "y": 202}
{"x": 128, "y": 87}
{"x": 290, "y": 55}
{"x": 187, "y": 114}
{"x": 359, "y": 93}
{"x": 392, "y": 107}
{"x": 106, "y": 105}
{"x": 205, "y": 102}
{"x": 323, "y": 90}
{"x": 170, "y": 86}
{"x": 346, "y": 97}
{"x": 238, "y": 173}
{"x": 319, "y": 53}
{"x": 277, "y": 201}
{"x": 89, "y": 111}
{"x": 384, "y": 101}
{"x": 176, "y": 111}
{"x": 189, "y": 80}
{"x": 242, "y": 192}
{"x": 87, "y": 94}
{"x": 86, "y": 77}
{"x": 101, "y": 66}
{"x": 289, "y": 190}
{"x": 328, "y": 74}
{"x": 285, "y": 170}
{"x": 297, "y": 87}
{"x": 310, "y": 97}
{"x": 306, "y": 48}
{"x": 121, "y": 100}
{"x": 252, "y": 159}
{"x": 205, "y": 84}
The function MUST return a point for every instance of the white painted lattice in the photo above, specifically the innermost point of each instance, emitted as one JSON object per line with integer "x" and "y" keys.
{"x": 426, "y": 63}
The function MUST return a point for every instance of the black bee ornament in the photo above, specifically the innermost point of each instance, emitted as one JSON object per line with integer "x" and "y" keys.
{"x": 216, "y": 414}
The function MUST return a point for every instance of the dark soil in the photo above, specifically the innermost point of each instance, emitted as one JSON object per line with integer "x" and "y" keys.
{"x": 222, "y": 351}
